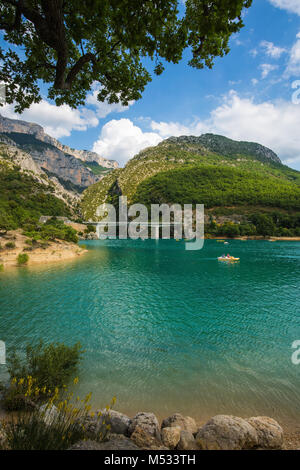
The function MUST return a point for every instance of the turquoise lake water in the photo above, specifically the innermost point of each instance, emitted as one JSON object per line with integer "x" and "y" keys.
{"x": 169, "y": 330}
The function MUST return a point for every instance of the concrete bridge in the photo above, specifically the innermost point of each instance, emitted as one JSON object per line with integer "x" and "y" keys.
{"x": 155, "y": 227}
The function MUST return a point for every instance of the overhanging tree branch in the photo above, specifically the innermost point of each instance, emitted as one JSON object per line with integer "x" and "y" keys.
{"x": 64, "y": 39}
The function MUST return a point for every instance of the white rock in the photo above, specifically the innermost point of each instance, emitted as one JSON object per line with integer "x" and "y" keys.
{"x": 187, "y": 441}
{"x": 147, "y": 421}
{"x": 224, "y": 432}
{"x": 170, "y": 436}
{"x": 49, "y": 414}
{"x": 185, "y": 423}
{"x": 118, "y": 421}
{"x": 269, "y": 432}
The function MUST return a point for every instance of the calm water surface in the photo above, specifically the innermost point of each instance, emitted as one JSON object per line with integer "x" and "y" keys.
{"x": 169, "y": 330}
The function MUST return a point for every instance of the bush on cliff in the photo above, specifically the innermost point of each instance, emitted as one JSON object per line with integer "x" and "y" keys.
{"x": 22, "y": 259}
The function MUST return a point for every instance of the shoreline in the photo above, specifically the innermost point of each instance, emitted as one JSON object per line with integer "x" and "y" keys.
{"x": 56, "y": 251}
{"x": 290, "y": 439}
{"x": 257, "y": 238}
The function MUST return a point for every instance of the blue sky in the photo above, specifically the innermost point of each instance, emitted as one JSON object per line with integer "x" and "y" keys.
{"x": 248, "y": 95}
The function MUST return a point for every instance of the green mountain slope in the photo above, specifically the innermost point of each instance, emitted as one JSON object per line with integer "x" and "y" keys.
{"x": 23, "y": 199}
{"x": 189, "y": 169}
{"x": 218, "y": 186}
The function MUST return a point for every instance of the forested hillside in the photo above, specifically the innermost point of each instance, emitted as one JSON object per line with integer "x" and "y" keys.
{"x": 236, "y": 181}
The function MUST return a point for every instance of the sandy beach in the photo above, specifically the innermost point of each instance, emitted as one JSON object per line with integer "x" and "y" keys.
{"x": 56, "y": 251}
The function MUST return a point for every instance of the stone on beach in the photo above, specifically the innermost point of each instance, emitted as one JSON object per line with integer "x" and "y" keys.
{"x": 144, "y": 440}
{"x": 49, "y": 414}
{"x": 269, "y": 432}
{"x": 171, "y": 436}
{"x": 223, "y": 432}
{"x": 119, "y": 423}
{"x": 187, "y": 441}
{"x": 148, "y": 422}
{"x": 114, "y": 443}
{"x": 185, "y": 423}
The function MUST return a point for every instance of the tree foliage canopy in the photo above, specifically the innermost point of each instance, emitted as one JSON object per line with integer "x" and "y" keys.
{"x": 69, "y": 45}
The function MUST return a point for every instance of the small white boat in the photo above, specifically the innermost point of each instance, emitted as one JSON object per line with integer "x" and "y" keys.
{"x": 228, "y": 258}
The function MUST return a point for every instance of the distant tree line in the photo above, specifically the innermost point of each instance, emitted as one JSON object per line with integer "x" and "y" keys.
{"x": 274, "y": 224}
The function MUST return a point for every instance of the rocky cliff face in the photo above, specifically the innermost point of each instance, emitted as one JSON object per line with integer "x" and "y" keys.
{"x": 50, "y": 155}
{"x": 15, "y": 156}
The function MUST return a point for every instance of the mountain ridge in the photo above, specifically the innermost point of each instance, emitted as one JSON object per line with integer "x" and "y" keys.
{"x": 8, "y": 125}
{"x": 225, "y": 146}
{"x": 188, "y": 152}
{"x": 69, "y": 166}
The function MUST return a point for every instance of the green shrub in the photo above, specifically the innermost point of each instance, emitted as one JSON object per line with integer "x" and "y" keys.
{"x": 10, "y": 245}
{"x": 22, "y": 259}
{"x": 230, "y": 229}
{"x": 57, "y": 426}
{"x": 51, "y": 365}
{"x": 53, "y": 229}
{"x": 1, "y": 268}
{"x": 264, "y": 224}
{"x": 90, "y": 229}
{"x": 247, "y": 229}
{"x": 13, "y": 399}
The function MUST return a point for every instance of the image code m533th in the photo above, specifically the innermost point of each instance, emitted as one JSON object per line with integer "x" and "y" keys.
{"x": 149, "y": 228}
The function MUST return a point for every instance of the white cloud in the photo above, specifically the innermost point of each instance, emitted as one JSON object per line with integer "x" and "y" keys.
{"x": 293, "y": 67}
{"x": 103, "y": 109}
{"x": 234, "y": 82}
{"x": 292, "y": 6}
{"x": 168, "y": 129}
{"x": 272, "y": 124}
{"x": 275, "y": 125}
{"x": 120, "y": 140}
{"x": 254, "y": 81}
{"x": 266, "y": 69}
{"x": 253, "y": 52}
{"x": 271, "y": 50}
{"x": 56, "y": 121}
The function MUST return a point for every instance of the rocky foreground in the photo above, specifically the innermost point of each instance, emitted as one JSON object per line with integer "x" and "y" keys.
{"x": 179, "y": 432}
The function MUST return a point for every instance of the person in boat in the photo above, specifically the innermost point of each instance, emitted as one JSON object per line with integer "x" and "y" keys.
{"x": 228, "y": 255}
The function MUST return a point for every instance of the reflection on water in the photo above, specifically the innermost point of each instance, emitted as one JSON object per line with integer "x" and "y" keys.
{"x": 166, "y": 329}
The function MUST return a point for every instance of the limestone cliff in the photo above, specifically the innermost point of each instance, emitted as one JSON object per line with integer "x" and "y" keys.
{"x": 51, "y": 155}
